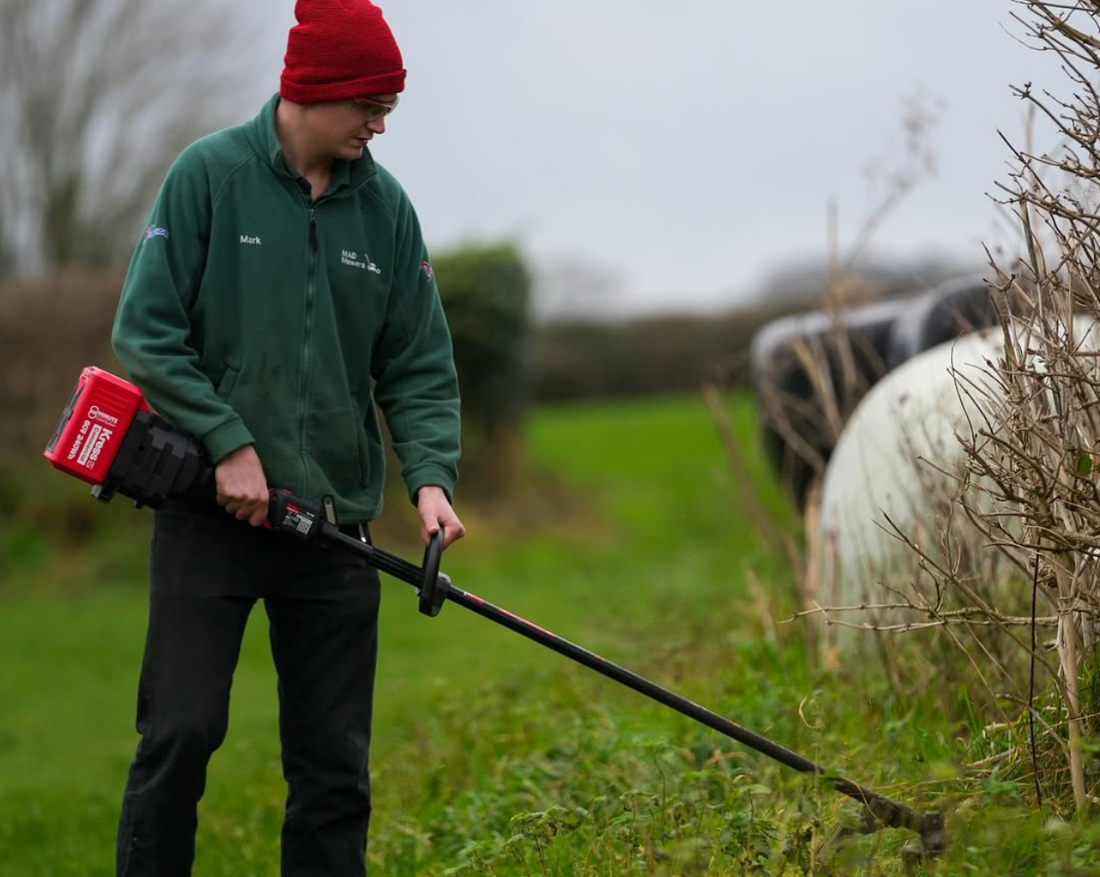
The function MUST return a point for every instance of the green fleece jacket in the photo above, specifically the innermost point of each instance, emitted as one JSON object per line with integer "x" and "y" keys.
{"x": 253, "y": 315}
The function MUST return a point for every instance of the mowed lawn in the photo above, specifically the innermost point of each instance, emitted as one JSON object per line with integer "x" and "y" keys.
{"x": 629, "y": 517}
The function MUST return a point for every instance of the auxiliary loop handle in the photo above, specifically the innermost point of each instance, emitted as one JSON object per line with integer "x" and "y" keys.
{"x": 434, "y": 588}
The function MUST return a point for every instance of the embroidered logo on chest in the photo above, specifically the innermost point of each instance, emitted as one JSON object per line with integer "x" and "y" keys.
{"x": 362, "y": 261}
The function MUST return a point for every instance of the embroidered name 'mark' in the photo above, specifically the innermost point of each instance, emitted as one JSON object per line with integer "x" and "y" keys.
{"x": 251, "y": 239}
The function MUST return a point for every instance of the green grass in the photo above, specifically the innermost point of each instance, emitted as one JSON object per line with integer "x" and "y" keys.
{"x": 630, "y": 536}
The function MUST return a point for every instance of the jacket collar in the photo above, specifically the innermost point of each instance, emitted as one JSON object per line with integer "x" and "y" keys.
{"x": 346, "y": 175}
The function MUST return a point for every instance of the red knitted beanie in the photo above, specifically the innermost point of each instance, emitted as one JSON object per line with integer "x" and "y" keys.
{"x": 340, "y": 49}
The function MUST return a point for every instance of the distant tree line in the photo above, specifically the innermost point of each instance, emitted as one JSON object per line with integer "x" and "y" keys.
{"x": 676, "y": 352}
{"x": 653, "y": 354}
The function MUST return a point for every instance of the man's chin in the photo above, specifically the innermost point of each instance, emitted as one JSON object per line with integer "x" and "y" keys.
{"x": 352, "y": 152}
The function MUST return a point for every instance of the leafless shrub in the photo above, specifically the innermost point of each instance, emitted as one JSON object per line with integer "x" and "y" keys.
{"x": 1014, "y": 580}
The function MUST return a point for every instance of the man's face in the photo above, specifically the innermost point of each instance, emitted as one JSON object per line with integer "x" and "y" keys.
{"x": 343, "y": 128}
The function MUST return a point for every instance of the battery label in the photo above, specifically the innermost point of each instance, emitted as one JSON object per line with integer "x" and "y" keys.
{"x": 96, "y": 443}
{"x": 97, "y": 413}
{"x": 91, "y": 439}
{"x": 79, "y": 440}
{"x": 93, "y": 434}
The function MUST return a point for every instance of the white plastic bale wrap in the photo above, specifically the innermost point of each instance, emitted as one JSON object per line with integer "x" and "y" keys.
{"x": 885, "y": 465}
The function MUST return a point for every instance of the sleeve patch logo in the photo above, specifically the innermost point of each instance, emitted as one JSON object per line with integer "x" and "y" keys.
{"x": 155, "y": 231}
{"x": 426, "y": 267}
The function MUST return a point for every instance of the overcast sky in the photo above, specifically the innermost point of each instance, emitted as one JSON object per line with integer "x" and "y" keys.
{"x": 686, "y": 150}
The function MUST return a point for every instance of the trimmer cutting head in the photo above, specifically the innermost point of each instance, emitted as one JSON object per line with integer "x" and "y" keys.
{"x": 879, "y": 813}
{"x": 933, "y": 836}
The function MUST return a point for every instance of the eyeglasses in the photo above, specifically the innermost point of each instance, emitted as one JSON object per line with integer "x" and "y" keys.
{"x": 377, "y": 109}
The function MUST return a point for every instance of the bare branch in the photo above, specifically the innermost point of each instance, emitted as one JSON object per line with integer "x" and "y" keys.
{"x": 96, "y": 99}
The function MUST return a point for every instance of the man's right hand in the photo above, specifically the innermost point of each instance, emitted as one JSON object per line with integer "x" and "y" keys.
{"x": 242, "y": 486}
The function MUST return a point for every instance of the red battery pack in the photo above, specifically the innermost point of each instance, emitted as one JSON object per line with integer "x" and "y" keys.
{"x": 94, "y": 423}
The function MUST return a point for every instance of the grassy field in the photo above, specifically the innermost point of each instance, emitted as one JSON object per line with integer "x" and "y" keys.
{"x": 630, "y": 536}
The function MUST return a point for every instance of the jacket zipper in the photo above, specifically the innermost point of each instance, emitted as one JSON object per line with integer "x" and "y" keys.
{"x": 306, "y": 333}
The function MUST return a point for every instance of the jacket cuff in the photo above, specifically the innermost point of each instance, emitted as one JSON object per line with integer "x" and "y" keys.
{"x": 430, "y": 475}
{"x": 223, "y": 440}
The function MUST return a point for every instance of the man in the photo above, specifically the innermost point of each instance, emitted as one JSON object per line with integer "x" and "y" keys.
{"x": 281, "y": 289}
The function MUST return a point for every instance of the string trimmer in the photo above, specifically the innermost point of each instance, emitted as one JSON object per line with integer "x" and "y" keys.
{"x": 108, "y": 437}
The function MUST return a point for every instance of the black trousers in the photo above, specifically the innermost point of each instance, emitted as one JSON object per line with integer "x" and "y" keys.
{"x": 208, "y": 570}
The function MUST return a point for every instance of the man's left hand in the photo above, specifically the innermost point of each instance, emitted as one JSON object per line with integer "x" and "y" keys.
{"x": 436, "y": 512}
